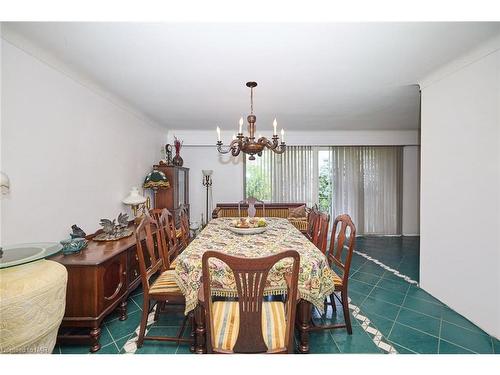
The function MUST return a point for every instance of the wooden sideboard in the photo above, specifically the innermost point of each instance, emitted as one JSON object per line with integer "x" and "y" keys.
{"x": 100, "y": 278}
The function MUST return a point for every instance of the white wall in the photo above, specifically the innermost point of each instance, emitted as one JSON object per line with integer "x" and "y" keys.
{"x": 411, "y": 190}
{"x": 227, "y": 178}
{"x": 71, "y": 152}
{"x": 460, "y": 186}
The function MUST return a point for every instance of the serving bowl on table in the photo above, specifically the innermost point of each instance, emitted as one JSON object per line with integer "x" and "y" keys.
{"x": 247, "y": 225}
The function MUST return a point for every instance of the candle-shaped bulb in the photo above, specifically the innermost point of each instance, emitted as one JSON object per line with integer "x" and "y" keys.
{"x": 218, "y": 134}
{"x": 241, "y": 125}
{"x": 282, "y": 135}
{"x": 260, "y": 136}
{"x": 234, "y": 137}
{"x": 275, "y": 124}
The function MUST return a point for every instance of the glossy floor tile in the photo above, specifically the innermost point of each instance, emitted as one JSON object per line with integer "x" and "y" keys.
{"x": 407, "y": 317}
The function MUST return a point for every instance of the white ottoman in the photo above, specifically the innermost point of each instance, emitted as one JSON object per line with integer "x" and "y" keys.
{"x": 32, "y": 302}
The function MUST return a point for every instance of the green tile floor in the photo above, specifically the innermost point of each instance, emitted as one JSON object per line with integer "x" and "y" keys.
{"x": 410, "y": 319}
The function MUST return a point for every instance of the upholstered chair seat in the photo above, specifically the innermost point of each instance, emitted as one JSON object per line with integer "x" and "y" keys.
{"x": 165, "y": 283}
{"x": 227, "y": 323}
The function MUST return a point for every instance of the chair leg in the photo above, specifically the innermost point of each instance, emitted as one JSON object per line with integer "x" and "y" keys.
{"x": 144, "y": 320}
{"x": 345, "y": 307}
{"x": 160, "y": 306}
{"x": 332, "y": 299}
{"x": 193, "y": 333}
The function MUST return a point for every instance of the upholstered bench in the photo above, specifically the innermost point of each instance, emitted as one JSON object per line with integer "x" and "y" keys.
{"x": 284, "y": 210}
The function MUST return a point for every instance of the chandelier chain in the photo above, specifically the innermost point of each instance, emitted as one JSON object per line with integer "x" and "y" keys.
{"x": 251, "y": 100}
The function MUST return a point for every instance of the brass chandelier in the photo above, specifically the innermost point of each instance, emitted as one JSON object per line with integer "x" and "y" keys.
{"x": 248, "y": 144}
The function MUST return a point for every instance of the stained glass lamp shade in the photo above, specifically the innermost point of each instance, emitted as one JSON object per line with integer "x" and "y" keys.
{"x": 156, "y": 180}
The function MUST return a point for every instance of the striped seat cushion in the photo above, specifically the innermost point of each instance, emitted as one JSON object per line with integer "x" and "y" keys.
{"x": 300, "y": 224}
{"x": 165, "y": 283}
{"x": 173, "y": 264}
{"x": 226, "y": 317}
{"x": 178, "y": 233}
{"x": 336, "y": 279}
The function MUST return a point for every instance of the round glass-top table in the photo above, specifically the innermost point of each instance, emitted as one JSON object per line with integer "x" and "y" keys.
{"x": 15, "y": 255}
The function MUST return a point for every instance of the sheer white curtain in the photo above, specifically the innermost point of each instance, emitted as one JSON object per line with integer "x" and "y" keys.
{"x": 366, "y": 184}
{"x": 289, "y": 177}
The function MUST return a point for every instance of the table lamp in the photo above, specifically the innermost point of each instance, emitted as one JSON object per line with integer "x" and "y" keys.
{"x": 156, "y": 180}
{"x": 135, "y": 200}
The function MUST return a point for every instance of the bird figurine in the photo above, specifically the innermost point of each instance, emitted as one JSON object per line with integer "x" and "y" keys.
{"x": 108, "y": 226}
{"x": 77, "y": 232}
{"x": 122, "y": 221}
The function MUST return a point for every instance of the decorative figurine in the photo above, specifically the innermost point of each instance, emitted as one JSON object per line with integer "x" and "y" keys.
{"x": 73, "y": 245}
{"x": 77, "y": 232}
{"x": 177, "y": 158}
{"x": 122, "y": 221}
{"x": 112, "y": 231}
{"x": 168, "y": 151}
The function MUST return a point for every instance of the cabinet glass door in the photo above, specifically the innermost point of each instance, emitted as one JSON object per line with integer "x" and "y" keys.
{"x": 182, "y": 187}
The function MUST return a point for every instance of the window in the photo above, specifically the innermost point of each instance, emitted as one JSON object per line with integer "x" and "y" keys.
{"x": 257, "y": 181}
{"x": 289, "y": 177}
{"x": 324, "y": 181}
{"x": 364, "y": 182}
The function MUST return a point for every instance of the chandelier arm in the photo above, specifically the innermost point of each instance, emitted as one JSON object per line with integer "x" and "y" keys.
{"x": 235, "y": 147}
{"x": 279, "y": 150}
{"x": 267, "y": 143}
{"x": 220, "y": 145}
{"x": 235, "y": 151}
{"x": 223, "y": 151}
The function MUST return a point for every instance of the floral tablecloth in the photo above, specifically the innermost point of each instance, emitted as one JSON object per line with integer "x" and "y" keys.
{"x": 315, "y": 276}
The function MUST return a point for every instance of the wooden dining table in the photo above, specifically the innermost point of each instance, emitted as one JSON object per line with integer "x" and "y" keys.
{"x": 315, "y": 276}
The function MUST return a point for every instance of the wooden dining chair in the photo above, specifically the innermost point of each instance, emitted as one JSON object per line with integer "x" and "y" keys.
{"x": 339, "y": 257}
{"x": 320, "y": 231}
{"x": 311, "y": 221}
{"x": 250, "y": 324}
{"x": 183, "y": 233}
{"x": 251, "y": 211}
{"x": 166, "y": 223}
{"x": 164, "y": 289}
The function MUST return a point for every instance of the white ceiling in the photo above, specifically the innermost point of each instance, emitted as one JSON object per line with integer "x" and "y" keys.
{"x": 357, "y": 76}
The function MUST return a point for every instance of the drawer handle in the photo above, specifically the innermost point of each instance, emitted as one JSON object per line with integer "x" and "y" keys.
{"x": 136, "y": 257}
{"x": 118, "y": 288}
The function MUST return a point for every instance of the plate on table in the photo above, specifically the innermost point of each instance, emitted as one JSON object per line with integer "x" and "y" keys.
{"x": 247, "y": 230}
{"x": 246, "y": 225}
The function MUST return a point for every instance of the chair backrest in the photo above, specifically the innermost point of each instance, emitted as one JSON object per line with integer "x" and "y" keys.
{"x": 320, "y": 232}
{"x": 311, "y": 220}
{"x": 151, "y": 260}
{"x": 168, "y": 239}
{"x": 184, "y": 223}
{"x": 250, "y": 275}
{"x": 338, "y": 244}
{"x": 251, "y": 206}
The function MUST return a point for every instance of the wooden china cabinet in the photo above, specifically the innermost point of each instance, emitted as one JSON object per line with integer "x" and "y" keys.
{"x": 178, "y": 192}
